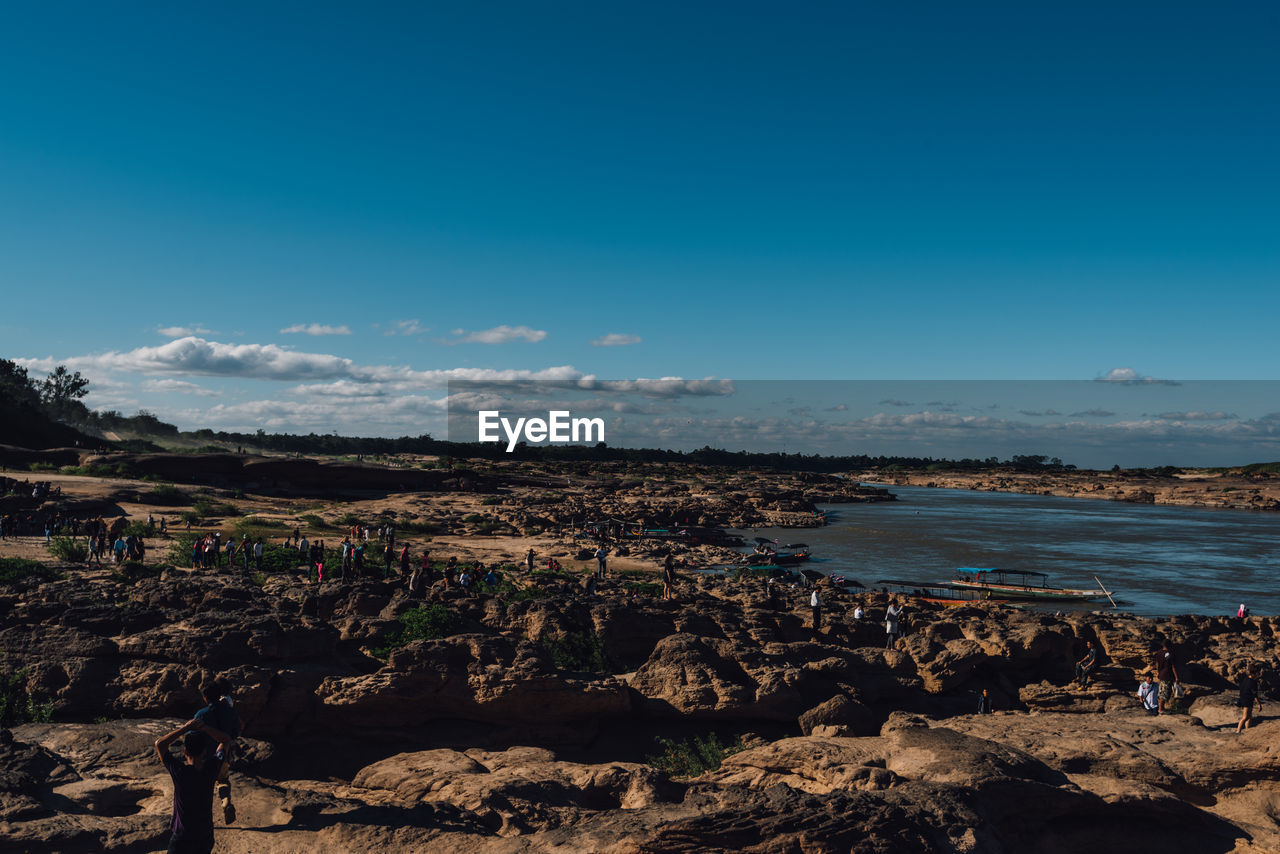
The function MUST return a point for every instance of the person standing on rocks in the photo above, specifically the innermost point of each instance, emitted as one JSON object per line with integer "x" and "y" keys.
{"x": 601, "y": 554}
{"x": 1248, "y": 697}
{"x": 1148, "y": 694}
{"x": 193, "y": 778}
{"x": 529, "y": 560}
{"x": 1167, "y": 674}
{"x": 669, "y": 577}
{"x": 815, "y": 606}
{"x": 984, "y": 702}
{"x": 1086, "y": 664}
{"x": 892, "y": 627}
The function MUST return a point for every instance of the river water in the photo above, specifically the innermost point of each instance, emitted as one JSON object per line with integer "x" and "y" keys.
{"x": 1156, "y": 560}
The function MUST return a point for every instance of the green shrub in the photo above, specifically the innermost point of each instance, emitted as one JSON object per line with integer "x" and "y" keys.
{"x": 15, "y": 569}
{"x": 422, "y": 623}
{"x": 17, "y": 706}
{"x": 281, "y": 559}
{"x": 581, "y": 651}
{"x": 166, "y": 495}
{"x": 139, "y": 529}
{"x": 490, "y": 501}
{"x": 316, "y": 522}
{"x": 693, "y": 757}
{"x": 42, "y": 467}
{"x": 180, "y": 549}
{"x": 69, "y": 549}
{"x": 257, "y": 579}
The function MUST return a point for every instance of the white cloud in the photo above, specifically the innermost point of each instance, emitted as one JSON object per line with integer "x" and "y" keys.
{"x": 498, "y": 335}
{"x": 177, "y": 387}
{"x": 315, "y": 329}
{"x": 407, "y": 327}
{"x": 182, "y": 331}
{"x": 399, "y": 415}
{"x": 198, "y": 357}
{"x": 1129, "y": 376}
{"x": 615, "y": 339}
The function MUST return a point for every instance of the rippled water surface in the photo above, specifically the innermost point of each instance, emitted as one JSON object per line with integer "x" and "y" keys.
{"x": 1155, "y": 560}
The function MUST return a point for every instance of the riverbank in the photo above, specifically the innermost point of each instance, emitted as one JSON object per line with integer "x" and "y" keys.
{"x": 1227, "y": 490}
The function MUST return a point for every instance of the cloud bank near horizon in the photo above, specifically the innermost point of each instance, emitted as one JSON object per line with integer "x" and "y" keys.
{"x": 285, "y": 389}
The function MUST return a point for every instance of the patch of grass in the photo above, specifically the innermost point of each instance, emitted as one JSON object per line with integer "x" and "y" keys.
{"x": 428, "y": 622}
{"x": 644, "y": 588}
{"x": 255, "y": 525}
{"x": 257, "y": 579}
{"x": 17, "y": 706}
{"x": 311, "y": 520}
{"x": 490, "y": 501}
{"x": 68, "y": 549}
{"x": 42, "y": 467}
{"x": 15, "y": 569}
{"x": 694, "y": 756}
{"x": 166, "y": 495}
{"x": 581, "y": 651}
{"x": 204, "y": 508}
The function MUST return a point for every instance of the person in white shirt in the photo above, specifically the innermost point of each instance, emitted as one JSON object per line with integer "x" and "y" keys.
{"x": 815, "y": 605}
{"x": 891, "y": 628}
{"x": 1149, "y": 694}
{"x": 857, "y": 611}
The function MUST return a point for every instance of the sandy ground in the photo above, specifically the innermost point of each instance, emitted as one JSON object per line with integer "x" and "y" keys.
{"x": 425, "y": 506}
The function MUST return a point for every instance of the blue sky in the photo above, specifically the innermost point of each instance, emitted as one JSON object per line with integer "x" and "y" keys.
{"x": 739, "y": 190}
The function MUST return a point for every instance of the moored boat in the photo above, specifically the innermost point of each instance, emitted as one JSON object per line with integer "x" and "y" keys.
{"x": 767, "y": 552}
{"x": 940, "y": 593}
{"x": 1020, "y": 584}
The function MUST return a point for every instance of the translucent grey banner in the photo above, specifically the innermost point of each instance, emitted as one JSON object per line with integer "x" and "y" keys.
{"x": 1125, "y": 420}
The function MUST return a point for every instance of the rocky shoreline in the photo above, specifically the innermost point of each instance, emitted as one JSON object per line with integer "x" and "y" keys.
{"x": 1224, "y": 490}
{"x": 490, "y": 738}
{"x": 554, "y": 713}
